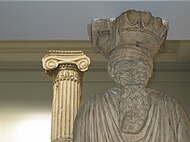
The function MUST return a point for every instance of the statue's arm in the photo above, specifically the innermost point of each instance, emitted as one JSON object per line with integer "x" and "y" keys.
{"x": 183, "y": 128}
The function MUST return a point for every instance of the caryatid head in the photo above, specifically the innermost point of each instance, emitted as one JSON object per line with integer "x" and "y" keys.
{"x": 129, "y": 42}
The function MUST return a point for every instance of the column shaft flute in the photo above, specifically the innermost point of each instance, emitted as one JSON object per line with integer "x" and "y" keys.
{"x": 66, "y": 68}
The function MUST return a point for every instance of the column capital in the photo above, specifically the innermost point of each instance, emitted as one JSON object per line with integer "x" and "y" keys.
{"x": 139, "y": 29}
{"x": 54, "y": 58}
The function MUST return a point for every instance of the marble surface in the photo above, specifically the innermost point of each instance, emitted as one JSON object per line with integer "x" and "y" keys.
{"x": 130, "y": 111}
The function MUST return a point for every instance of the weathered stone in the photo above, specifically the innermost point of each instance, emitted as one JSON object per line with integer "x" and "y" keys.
{"x": 130, "y": 112}
{"x": 67, "y": 68}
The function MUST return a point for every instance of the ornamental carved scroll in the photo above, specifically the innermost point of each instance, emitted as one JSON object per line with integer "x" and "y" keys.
{"x": 52, "y": 60}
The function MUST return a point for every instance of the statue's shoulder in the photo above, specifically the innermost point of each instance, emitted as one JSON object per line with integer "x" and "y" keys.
{"x": 160, "y": 97}
{"x": 167, "y": 104}
{"x": 114, "y": 91}
{"x": 109, "y": 96}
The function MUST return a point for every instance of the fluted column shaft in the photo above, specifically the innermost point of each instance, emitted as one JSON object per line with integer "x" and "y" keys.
{"x": 67, "y": 69}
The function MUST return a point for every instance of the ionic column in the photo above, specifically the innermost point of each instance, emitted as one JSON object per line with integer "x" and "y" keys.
{"x": 66, "y": 68}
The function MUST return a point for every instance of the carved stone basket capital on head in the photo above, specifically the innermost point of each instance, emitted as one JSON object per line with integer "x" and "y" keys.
{"x": 132, "y": 27}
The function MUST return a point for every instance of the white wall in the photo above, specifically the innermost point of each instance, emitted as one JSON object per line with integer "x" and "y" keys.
{"x": 25, "y": 112}
{"x": 21, "y": 124}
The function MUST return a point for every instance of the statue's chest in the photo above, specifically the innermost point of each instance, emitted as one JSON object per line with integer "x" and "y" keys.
{"x": 133, "y": 114}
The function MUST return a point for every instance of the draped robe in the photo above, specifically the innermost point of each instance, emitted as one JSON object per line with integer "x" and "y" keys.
{"x": 98, "y": 120}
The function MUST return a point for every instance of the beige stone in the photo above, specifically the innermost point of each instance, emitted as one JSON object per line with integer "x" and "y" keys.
{"x": 130, "y": 112}
{"x": 67, "y": 69}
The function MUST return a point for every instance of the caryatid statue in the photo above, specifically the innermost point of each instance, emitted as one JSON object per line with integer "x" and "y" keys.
{"x": 130, "y": 112}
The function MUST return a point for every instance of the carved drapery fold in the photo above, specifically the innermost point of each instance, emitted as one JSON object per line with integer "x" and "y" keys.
{"x": 67, "y": 69}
